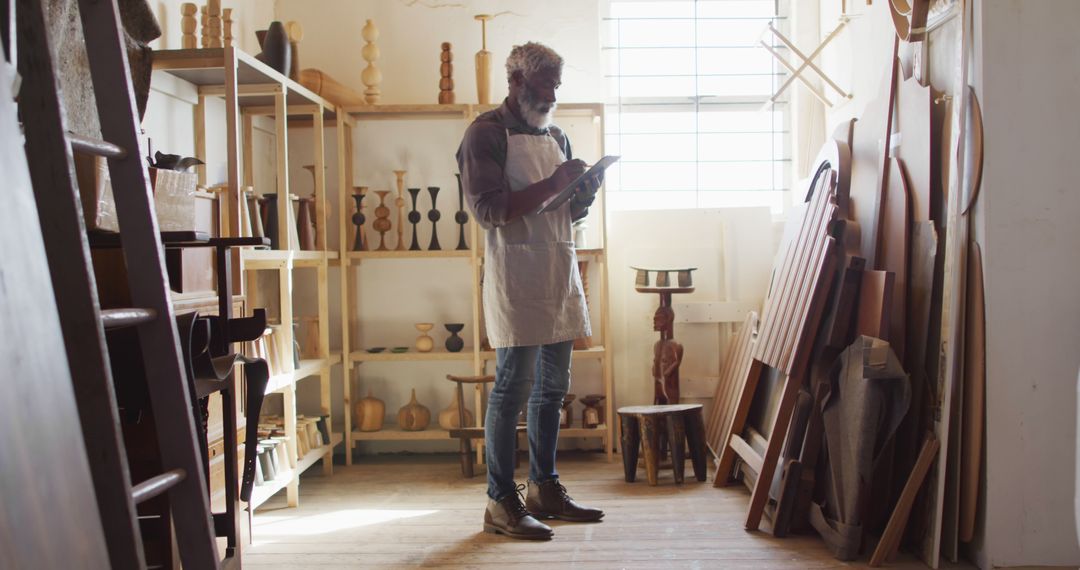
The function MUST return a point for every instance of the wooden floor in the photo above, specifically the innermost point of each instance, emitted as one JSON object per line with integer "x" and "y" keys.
{"x": 417, "y": 511}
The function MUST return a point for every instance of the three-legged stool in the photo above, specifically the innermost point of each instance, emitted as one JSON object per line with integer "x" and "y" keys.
{"x": 641, "y": 427}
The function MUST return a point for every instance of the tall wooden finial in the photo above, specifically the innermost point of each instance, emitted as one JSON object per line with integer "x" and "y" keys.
{"x": 226, "y": 23}
{"x": 446, "y": 73}
{"x": 483, "y": 63}
{"x": 188, "y": 25}
{"x": 371, "y": 75}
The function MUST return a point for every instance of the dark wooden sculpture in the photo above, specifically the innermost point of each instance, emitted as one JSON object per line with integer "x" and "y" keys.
{"x": 667, "y": 352}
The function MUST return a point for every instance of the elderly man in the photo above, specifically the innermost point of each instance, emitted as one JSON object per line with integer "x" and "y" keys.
{"x": 512, "y": 159}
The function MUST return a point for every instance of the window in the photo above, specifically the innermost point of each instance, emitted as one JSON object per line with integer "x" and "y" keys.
{"x": 688, "y": 83}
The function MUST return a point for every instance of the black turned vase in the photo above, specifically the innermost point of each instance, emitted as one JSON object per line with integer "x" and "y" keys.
{"x": 461, "y": 217}
{"x": 414, "y": 218}
{"x": 434, "y": 215}
{"x": 358, "y": 220}
{"x": 454, "y": 343}
{"x": 276, "y": 50}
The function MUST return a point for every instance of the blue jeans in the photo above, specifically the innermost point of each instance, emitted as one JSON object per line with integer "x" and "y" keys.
{"x": 539, "y": 375}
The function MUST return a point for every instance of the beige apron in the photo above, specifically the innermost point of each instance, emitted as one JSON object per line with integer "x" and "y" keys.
{"x": 532, "y": 288}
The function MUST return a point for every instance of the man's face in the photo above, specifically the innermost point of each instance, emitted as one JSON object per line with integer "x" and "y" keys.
{"x": 537, "y": 98}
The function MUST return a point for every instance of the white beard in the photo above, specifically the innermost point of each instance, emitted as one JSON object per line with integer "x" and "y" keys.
{"x": 533, "y": 113}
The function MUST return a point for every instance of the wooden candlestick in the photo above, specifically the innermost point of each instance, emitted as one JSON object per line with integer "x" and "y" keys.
{"x": 371, "y": 75}
{"x": 400, "y": 203}
{"x": 483, "y": 63}
{"x": 382, "y": 219}
{"x": 188, "y": 25}
{"x": 461, "y": 217}
{"x": 434, "y": 215}
{"x": 296, "y": 35}
{"x": 414, "y": 218}
{"x": 446, "y": 75}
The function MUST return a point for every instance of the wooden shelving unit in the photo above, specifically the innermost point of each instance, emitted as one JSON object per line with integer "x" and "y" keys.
{"x": 354, "y": 354}
{"x": 251, "y": 89}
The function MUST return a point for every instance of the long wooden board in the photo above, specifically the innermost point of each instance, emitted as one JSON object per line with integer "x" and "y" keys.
{"x": 869, "y": 150}
{"x": 895, "y": 248}
{"x": 974, "y": 395}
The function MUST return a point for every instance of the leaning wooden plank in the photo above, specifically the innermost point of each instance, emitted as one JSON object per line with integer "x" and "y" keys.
{"x": 868, "y": 136}
{"x": 890, "y": 540}
{"x": 783, "y": 315}
{"x": 729, "y": 387}
{"x": 875, "y": 296}
{"x": 924, "y": 247}
{"x": 795, "y": 326}
{"x": 974, "y": 395}
{"x": 782, "y": 300}
{"x": 894, "y": 242}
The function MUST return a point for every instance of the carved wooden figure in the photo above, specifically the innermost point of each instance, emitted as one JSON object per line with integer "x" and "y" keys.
{"x": 446, "y": 75}
{"x": 667, "y": 356}
{"x": 667, "y": 353}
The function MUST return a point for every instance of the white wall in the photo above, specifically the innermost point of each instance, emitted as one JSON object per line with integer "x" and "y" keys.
{"x": 1029, "y": 88}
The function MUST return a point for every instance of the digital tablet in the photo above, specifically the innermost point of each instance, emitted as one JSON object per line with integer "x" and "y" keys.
{"x": 568, "y": 192}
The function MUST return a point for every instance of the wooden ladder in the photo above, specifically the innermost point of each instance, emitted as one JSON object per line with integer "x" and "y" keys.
{"x": 49, "y": 149}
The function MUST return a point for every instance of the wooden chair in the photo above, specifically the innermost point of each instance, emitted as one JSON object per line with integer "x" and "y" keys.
{"x": 467, "y": 434}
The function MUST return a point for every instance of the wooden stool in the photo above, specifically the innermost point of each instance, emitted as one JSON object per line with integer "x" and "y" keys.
{"x": 468, "y": 433}
{"x": 641, "y": 429}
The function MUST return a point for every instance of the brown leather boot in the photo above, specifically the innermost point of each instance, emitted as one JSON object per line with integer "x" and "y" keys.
{"x": 508, "y": 516}
{"x": 549, "y": 500}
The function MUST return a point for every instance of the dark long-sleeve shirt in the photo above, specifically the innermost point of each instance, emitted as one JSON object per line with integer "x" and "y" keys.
{"x": 482, "y": 160}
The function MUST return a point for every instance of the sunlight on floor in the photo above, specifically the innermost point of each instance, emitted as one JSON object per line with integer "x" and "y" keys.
{"x": 268, "y": 527}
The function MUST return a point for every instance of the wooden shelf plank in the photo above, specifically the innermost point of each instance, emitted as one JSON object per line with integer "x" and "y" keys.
{"x": 262, "y": 493}
{"x": 452, "y": 253}
{"x": 408, "y": 111}
{"x": 206, "y": 68}
{"x": 277, "y": 259}
{"x": 398, "y": 434}
{"x": 307, "y": 368}
{"x": 596, "y": 352}
{"x": 412, "y": 355}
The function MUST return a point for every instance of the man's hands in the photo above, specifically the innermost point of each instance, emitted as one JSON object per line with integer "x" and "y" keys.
{"x": 567, "y": 172}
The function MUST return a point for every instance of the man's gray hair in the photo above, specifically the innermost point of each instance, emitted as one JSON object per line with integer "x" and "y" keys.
{"x": 530, "y": 58}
